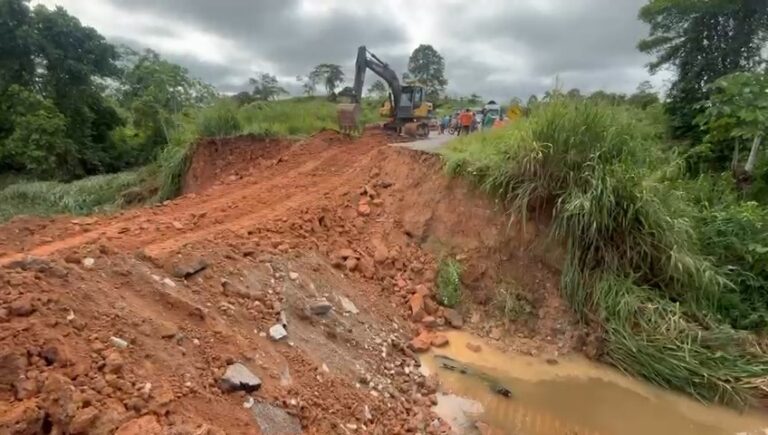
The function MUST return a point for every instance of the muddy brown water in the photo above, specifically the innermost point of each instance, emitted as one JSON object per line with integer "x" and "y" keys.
{"x": 572, "y": 396}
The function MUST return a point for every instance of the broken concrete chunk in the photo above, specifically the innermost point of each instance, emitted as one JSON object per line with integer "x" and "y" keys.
{"x": 277, "y": 332}
{"x": 320, "y": 307}
{"x": 348, "y": 305}
{"x": 187, "y": 268}
{"x": 239, "y": 378}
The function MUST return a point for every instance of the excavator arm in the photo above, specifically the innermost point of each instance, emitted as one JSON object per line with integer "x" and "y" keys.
{"x": 368, "y": 60}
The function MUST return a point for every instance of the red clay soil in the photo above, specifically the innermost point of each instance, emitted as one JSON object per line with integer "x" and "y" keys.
{"x": 278, "y": 226}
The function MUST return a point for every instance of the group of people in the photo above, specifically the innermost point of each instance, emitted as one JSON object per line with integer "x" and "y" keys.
{"x": 465, "y": 122}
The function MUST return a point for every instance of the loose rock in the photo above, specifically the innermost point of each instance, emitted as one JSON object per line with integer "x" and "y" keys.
{"x": 277, "y": 332}
{"x": 474, "y": 347}
{"x": 22, "y": 307}
{"x": 348, "y": 305}
{"x": 187, "y": 268}
{"x": 429, "y": 322}
{"x": 88, "y": 262}
{"x": 453, "y": 318}
{"x": 320, "y": 307}
{"x": 439, "y": 340}
{"x": 118, "y": 342}
{"x": 83, "y": 420}
{"x": 275, "y": 421}
{"x": 146, "y": 425}
{"x": 420, "y": 343}
{"x": 417, "y": 307}
{"x": 239, "y": 378}
{"x": 166, "y": 329}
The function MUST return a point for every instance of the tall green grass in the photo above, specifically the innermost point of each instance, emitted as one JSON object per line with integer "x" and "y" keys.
{"x": 634, "y": 258}
{"x": 98, "y": 193}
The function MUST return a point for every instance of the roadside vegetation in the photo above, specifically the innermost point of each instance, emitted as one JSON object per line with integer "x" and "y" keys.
{"x": 671, "y": 268}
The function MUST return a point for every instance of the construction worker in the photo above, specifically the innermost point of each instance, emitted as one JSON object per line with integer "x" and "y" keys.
{"x": 465, "y": 121}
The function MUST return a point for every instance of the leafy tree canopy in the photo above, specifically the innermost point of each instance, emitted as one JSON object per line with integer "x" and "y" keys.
{"x": 427, "y": 67}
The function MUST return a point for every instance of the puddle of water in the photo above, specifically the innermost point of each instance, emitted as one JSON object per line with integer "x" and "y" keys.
{"x": 574, "y": 396}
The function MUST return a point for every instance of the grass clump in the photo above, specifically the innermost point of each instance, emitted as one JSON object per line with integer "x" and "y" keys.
{"x": 634, "y": 252}
{"x": 219, "y": 120}
{"x": 88, "y": 195}
{"x": 449, "y": 282}
{"x": 512, "y": 303}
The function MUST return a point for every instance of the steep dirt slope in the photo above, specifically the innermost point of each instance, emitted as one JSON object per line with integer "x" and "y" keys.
{"x": 128, "y": 322}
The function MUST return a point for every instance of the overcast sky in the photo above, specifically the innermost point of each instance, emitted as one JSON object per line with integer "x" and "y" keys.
{"x": 496, "y": 48}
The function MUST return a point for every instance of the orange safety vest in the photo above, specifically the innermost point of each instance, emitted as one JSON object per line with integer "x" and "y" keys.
{"x": 465, "y": 119}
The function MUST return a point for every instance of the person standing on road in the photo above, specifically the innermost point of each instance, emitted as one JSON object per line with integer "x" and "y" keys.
{"x": 445, "y": 122}
{"x": 465, "y": 121}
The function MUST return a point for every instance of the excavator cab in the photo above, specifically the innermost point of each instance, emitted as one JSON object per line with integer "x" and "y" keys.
{"x": 412, "y": 104}
{"x": 406, "y": 106}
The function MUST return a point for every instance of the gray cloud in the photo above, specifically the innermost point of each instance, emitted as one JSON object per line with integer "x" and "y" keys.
{"x": 496, "y": 48}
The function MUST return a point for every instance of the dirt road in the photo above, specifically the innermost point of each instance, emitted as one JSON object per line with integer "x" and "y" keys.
{"x": 137, "y": 322}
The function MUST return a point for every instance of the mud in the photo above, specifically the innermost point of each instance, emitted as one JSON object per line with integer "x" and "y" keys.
{"x": 100, "y": 332}
{"x": 487, "y": 391}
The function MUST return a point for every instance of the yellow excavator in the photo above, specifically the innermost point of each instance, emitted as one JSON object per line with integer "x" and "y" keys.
{"x": 407, "y": 108}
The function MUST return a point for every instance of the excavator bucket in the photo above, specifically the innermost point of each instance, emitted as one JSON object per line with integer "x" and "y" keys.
{"x": 349, "y": 117}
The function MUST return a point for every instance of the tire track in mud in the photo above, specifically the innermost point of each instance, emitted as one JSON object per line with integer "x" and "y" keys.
{"x": 225, "y": 208}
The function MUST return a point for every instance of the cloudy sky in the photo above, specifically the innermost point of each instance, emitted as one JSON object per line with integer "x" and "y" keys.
{"x": 496, "y": 48}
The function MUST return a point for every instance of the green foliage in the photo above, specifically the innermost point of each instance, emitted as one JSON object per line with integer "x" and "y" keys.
{"x": 378, "y": 90}
{"x": 329, "y": 74}
{"x": 427, "y": 67}
{"x": 50, "y": 65}
{"x": 735, "y": 235}
{"x": 449, "y": 282}
{"x": 633, "y": 252}
{"x": 38, "y": 145}
{"x": 156, "y": 92}
{"x": 702, "y": 41}
{"x": 736, "y": 113}
{"x": 266, "y": 87}
{"x": 99, "y": 193}
{"x": 219, "y": 120}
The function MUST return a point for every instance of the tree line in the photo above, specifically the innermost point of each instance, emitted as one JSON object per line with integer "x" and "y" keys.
{"x": 72, "y": 104}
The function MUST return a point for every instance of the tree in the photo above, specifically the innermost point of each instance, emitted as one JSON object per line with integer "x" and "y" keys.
{"x": 533, "y": 100}
{"x": 39, "y": 144}
{"x": 427, "y": 67}
{"x": 701, "y": 41}
{"x": 737, "y": 113}
{"x": 474, "y": 100}
{"x": 308, "y": 85}
{"x": 378, "y": 89}
{"x": 266, "y": 87}
{"x": 52, "y": 56}
{"x": 330, "y": 75}
{"x": 155, "y": 92}
{"x": 242, "y": 98}
{"x": 574, "y": 93}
